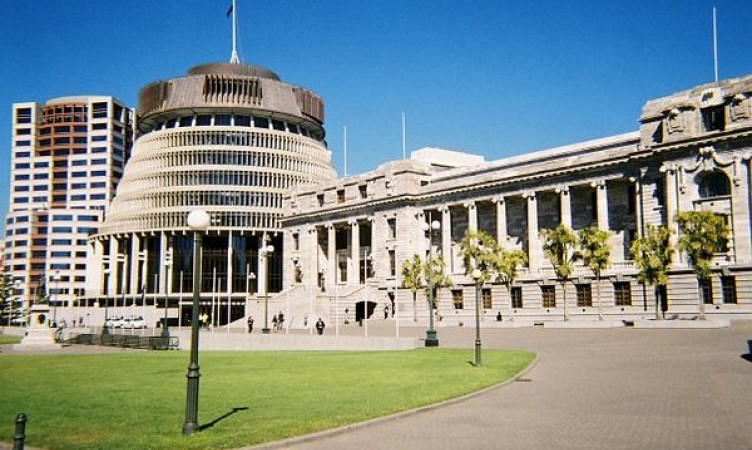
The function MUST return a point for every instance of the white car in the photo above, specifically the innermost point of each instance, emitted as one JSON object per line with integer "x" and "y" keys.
{"x": 134, "y": 323}
{"x": 114, "y": 322}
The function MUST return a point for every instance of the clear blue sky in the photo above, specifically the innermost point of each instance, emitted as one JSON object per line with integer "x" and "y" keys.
{"x": 491, "y": 77}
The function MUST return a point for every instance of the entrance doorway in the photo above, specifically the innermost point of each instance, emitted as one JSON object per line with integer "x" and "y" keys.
{"x": 364, "y": 308}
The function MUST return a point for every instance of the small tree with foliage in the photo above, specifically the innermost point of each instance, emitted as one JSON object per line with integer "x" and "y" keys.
{"x": 506, "y": 263}
{"x": 703, "y": 233}
{"x": 478, "y": 249}
{"x": 559, "y": 247}
{"x": 433, "y": 272}
{"x": 652, "y": 254}
{"x": 412, "y": 278}
{"x": 596, "y": 254}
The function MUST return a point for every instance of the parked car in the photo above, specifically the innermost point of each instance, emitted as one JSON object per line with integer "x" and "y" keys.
{"x": 134, "y": 323}
{"x": 114, "y": 322}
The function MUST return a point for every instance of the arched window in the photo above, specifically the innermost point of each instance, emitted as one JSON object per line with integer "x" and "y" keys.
{"x": 713, "y": 184}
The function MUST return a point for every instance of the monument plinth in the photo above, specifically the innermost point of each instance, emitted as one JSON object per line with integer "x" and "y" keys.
{"x": 39, "y": 336}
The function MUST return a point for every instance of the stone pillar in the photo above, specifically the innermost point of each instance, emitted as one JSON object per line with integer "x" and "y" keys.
{"x": 354, "y": 276}
{"x": 114, "y": 267}
{"x": 135, "y": 257}
{"x": 446, "y": 239}
{"x": 565, "y": 206}
{"x": 162, "y": 286}
{"x": 601, "y": 202}
{"x": 331, "y": 253}
{"x": 637, "y": 182}
{"x": 421, "y": 218}
{"x": 313, "y": 261}
{"x": 229, "y": 262}
{"x": 501, "y": 219}
{"x": 672, "y": 208}
{"x": 533, "y": 241}
{"x": 472, "y": 216}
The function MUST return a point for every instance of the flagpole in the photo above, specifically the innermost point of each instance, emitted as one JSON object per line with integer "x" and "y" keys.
{"x": 345, "y": 147}
{"x": 715, "y": 48}
{"x": 404, "y": 152}
{"x": 234, "y": 57}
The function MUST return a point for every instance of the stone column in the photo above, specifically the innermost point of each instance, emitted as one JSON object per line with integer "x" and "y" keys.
{"x": 601, "y": 202}
{"x": 421, "y": 218}
{"x": 354, "y": 276}
{"x": 114, "y": 267}
{"x": 533, "y": 241}
{"x": 313, "y": 262}
{"x": 331, "y": 252}
{"x": 446, "y": 239}
{"x": 672, "y": 208}
{"x": 472, "y": 216}
{"x": 501, "y": 219}
{"x": 134, "y": 262}
{"x": 229, "y": 262}
{"x": 637, "y": 182}
{"x": 565, "y": 206}
{"x": 162, "y": 285}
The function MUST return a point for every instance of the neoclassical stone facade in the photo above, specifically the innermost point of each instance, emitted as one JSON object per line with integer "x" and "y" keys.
{"x": 345, "y": 240}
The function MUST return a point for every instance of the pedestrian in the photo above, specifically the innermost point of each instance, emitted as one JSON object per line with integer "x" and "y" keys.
{"x": 347, "y": 316}
{"x": 250, "y": 324}
{"x": 498, "y": 316}
{"x": 386, "y": 312}
{"x": 274, "y": 322}
{"x": 280, "y": 320}
{"x": 320, "y": 325}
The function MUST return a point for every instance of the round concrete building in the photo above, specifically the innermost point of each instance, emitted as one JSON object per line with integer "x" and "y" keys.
{"x": 228, "y": 139}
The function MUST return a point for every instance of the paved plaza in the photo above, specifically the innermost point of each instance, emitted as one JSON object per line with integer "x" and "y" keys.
{"x": 590, "y": 389}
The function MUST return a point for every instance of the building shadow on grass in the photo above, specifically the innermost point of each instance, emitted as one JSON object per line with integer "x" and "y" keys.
{"x": 222, "y": 417}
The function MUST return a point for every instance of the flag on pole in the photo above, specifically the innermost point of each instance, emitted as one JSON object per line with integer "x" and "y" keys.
{"x": 229, "y": 10}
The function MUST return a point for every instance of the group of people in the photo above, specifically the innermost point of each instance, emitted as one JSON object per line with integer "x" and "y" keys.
{"x": 278, "y": 321}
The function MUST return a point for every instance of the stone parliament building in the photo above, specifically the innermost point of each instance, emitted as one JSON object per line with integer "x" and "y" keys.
{"x": 345, "y": 240}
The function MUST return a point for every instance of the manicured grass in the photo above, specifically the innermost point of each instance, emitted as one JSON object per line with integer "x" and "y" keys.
{"x": 137, "y": 400}
{"x": 9, "y": 339}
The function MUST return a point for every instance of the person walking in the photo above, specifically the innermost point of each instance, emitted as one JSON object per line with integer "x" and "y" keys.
{"x": 280, "y": 320}
{"x": 250, "y": 324}
{"x": 320, "y": 325}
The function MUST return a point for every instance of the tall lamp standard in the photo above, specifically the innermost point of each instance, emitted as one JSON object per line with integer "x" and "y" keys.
{"x": 266, "y": 250}
{"x": 106, "y": 330}
{"x": 55, "y": 283}
{"x": 165, "y": 328}
{"x": 477, "y": 274}
{"x": 249, "y": 279}
{"x": 198, "y": 221}
{"x": 431, "y": 339}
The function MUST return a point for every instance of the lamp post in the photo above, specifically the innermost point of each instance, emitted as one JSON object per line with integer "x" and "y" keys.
{"x": 54, "y": 296}
{"x": 105, "y": 330}
{"x": 249, "y": 278}
{"x": 266, "y": 250}
{"x": 165, "y": 328}
{"x": 431, "y": 339}
{"x": 477, "y": 274}
{"x": 198, "y": 221}
{"x": 366, "y": 257}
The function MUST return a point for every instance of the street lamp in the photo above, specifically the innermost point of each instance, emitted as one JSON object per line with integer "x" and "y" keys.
{"x": 249, "y": 278}
{"x": 477, "y": 274}
{"x": 165, "y": 328}
{"x": 431, "y": 339}
{"x": 54, "y": 296}
{"x": 265, "y": 251}
{"x": 198, "y": 221}
{"x": 366, "y": 257}
{"x": 106, "y": 299}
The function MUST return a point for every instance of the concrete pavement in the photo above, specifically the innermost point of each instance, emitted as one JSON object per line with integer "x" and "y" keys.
{"x": 591, "y": 389}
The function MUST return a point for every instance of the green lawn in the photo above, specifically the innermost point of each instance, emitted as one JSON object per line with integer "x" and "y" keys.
{"x": 9, "y": 339}
{"x": 137, "y": 400}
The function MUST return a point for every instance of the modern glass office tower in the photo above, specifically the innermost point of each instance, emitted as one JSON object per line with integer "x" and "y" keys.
{"x": 225, "y": 138}
{"x": 67, "y": 158}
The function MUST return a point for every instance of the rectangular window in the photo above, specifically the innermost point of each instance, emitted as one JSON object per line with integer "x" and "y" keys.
{"x": 728, "y": 289}
{"x": 320, "y": 199}
{"x": 706, "y": 291}
{"x": 516, "y": 295}
{"x": 457, "y": 299}
{"x": 392, "y": 224}
{"x": 261, "y": 122}
{"x": 341, "y": 196}
{"x": 622, "y": 294}
{"x": 363, "y": 190}
{"x": 713, "y": 119}
{"x": 99, "y": 110}
{"x": 392, "y": 263}
{"x": 584, "y": 295}
{"x": 485, "y": 295}
{"x": 278, "y": 125}
{"x": 296, "y": 241}
{"x": 223, "y": 119}
{"x": 242, "y": 121}
{"x": 186, "y": 121}
{"x": 548, "y": 294}
{"x": 23, "y": 115}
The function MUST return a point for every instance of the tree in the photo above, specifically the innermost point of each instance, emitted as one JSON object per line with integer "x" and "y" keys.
{"x": 433, "y": 272}
{"x": 506, "y": 262}
{"x": 703, "y": 233}
{"x": 558, "y": 245}
{"x": 478, "y": 249}
{"x": 596, "y": 254}
{"x": 652, "y": 254}
{"x": 412, "y": 278}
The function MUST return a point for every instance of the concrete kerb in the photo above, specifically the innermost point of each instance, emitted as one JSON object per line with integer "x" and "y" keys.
{"x": 378, "y": 420}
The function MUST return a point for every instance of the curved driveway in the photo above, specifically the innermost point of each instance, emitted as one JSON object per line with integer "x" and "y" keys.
{"x": 591, "y": 389}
